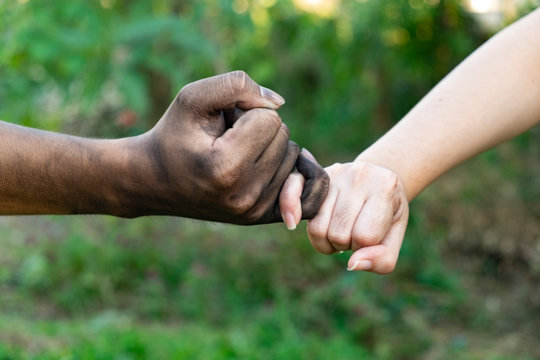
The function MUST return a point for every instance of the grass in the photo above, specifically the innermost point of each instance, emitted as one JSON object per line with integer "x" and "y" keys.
{"x": 182, "y": 285}
{"x": 112, "y": 335}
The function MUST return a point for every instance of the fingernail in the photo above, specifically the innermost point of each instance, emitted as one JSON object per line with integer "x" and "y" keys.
{"x": 309, "y": 155}
{"x": 272, "y": 96}
{"x": 289, "y": 220}
{"x": 360, "y": 265}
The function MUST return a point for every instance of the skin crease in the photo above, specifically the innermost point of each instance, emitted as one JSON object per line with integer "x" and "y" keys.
{"x": 491, "y": 97}
{"x": 196, "y": 162}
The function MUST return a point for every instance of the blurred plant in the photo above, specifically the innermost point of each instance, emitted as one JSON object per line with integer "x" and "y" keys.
{"x": 68, "y": 60}
{"x": 111, "y": 67}
{"x": 160, "y": 269}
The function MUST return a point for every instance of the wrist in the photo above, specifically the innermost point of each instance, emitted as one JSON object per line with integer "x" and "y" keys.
{"x": 388, "y": 165}
{"x": 112, "y": 175}
{"x": 132, "y": 183}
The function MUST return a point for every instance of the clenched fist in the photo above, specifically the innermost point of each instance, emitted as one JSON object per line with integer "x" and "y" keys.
{"x": 220, "y": 152}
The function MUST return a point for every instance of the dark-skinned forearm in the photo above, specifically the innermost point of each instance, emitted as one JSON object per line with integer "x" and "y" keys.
{"x": 49, "y": 173}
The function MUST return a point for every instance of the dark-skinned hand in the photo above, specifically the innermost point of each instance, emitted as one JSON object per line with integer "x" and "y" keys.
{"x": 221, "y": 153}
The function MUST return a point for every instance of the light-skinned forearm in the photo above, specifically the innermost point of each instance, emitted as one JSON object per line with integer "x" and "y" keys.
{"x": 489, "y": 98}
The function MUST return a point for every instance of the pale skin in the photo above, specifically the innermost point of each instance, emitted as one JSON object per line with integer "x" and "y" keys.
{"x": 491, "y": 97}
{"x": 204, "y": 159}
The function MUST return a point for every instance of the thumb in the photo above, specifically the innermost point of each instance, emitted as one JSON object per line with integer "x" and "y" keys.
{"x": 227, "y": 91}
{"x": 289, "y": 199}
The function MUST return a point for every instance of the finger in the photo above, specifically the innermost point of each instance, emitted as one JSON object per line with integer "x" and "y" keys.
{"x": 226, "y": 91}
{"x": 269, "y": 199}
{"x": 315, "y": 186}
{"x": 231, "y": 115}
{"x": 343, "y": 220}
{"x": 289, "y": 200}
{"x": 317, "y": 228}
{"x": 274, "y": 164}
{"x": 382, "y": 258}
{"x": 373, "y": 222}
{"x": 250, "y": 136}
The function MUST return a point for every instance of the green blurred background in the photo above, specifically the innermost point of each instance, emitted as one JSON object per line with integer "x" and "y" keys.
{"x": 92, "y": 287}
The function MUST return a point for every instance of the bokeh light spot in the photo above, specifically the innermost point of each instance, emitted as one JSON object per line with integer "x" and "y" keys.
{"x": 240, "y": 6}
{"x": 322, "y": 8}
{"x": 107, "y": 4}
{"x": 395, "y": 37}
{"x": 483, "y": 6}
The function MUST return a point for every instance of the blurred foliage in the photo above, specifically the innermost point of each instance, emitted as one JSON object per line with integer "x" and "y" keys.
{"x": 364, "y": 65}
{"x": 102, "y": 288}
{"x": 264, "y": 298}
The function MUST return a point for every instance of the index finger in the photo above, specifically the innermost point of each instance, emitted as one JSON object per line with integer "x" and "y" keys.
{"x": 226, "y": 91}
{"x": 250, "y": 135}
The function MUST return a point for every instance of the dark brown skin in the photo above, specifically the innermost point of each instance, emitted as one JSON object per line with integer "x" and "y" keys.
{"x": 204, "y": 159}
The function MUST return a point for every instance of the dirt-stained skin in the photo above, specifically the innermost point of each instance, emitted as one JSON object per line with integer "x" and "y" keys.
{"x": 220, "y": 152}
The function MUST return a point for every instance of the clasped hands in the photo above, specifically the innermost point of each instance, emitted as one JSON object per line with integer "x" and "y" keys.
{"x": 235, "y": 157}
{"x": 221, "y": 153}
{"x": 222, "y": 149}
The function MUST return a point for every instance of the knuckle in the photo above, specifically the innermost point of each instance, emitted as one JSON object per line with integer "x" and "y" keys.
{"x": 269, "y": 117}
{"x": 360, "y": 170}
{"x": 335, "y": 169}
{"x": 367, "y": 237}
{"x": 324, "y": 183}
{"x": 238, "y": 80}
{"x": 241, "y": 75}
{"x": 339, "y": 238}
{"x": 313, "y": 198}
{"x": 390, "y": 180}
{"x": 335, "y": 166}
{"x": 293, "y": 148}
{"x": 316, "y": 230}
{"x": 271, "y": 123}
{"x": 186, "y": 97}
{"x": 272, "y": 118}
{"x": 321, "y": 182}
{"x": 360, "y": 167}
{"x": 284, "y": 129}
